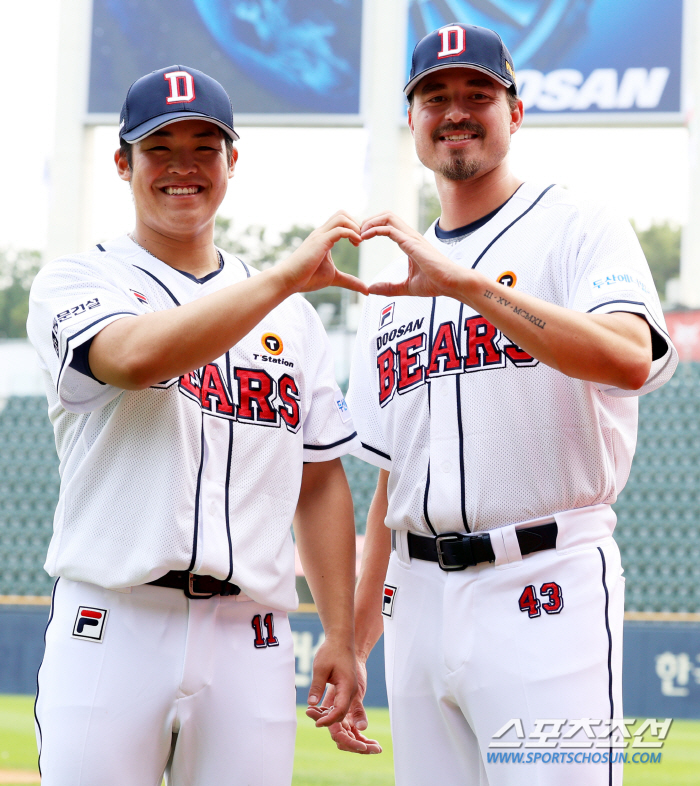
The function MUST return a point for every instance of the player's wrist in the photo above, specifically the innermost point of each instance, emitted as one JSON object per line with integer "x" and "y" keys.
{"x": 469, "y": 285}
{"x": 282, "y": 280}
{"x": 341, "y": 636}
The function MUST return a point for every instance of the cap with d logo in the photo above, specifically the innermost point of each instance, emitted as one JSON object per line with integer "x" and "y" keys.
{"x": 172, "y": 94}
{"x": 462, "y": 46}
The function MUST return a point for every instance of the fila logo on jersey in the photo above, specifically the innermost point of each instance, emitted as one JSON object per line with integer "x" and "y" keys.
{"x": 141, "y": 298}
{"x": 387, "y": 316}
{"x": 260, "y": 398}
{"x": 508, "y": 279}
{"x": 480, "y": 346}
{"x": 272, "y": 343}
{"x": 90, "y": 623}
{"x": 453, "y": 41}
{"x": 181, "y": 87}
{"x": 388, "y": 600}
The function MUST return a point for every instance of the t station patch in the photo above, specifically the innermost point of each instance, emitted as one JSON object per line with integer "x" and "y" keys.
{"x": 388, "y": 600}
{"x": 508, "y": 279}
{"x": 272, "y": 343}
{"x": 90, "y": 623}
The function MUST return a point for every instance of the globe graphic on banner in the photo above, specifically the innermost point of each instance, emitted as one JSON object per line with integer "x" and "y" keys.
{"x": 537, "y": 32}
{"x": 287, "y": 46}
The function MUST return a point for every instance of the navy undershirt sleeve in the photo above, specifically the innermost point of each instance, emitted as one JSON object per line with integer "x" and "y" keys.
{"x": 80, "y": 361}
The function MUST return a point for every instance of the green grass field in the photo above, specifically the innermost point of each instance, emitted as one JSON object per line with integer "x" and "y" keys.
{"x": 319, "y": 763}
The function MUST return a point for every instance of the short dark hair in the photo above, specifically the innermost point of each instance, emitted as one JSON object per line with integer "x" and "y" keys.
{"x": 510, "y": 94}
{"x": 126, "y": 148}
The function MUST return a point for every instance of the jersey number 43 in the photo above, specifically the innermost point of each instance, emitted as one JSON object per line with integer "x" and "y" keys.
{"x": 532, "y": 605}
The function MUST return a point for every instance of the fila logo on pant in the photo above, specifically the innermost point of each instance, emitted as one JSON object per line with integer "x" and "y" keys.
{"x": 388, "y": 600}
{"x": 90, "y": 623}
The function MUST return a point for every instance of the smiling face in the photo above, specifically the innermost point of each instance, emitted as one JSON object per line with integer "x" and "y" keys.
{"x": 179, "y": 175}
{"x": 462, "y": 122}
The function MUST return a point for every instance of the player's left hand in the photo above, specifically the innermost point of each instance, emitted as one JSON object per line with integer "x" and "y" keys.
{"x": 347, "y": 734}
{"x": 311, "y": 266}
{"x": 334, "y": 665}
{"x": 430, "y": 273}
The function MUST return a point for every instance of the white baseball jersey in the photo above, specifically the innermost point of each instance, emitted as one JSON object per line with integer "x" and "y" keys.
{"x": 198, "y": 473}
{"x": 478, "y": 434}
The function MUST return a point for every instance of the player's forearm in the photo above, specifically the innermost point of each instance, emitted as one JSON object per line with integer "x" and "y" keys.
{"x": 136, "y": 352}
{"x": 375, "y": 559}
{"x": 324, "y": 527}
{"x": 612, "y": 349}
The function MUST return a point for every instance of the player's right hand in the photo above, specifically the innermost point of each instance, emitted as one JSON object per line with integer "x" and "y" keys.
{"x": 430, "y": 273}
{"x": 347, "y": 733}
{"x": 311, "y": 266}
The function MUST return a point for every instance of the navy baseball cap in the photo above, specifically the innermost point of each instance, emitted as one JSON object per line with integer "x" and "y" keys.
{"x": 462, "y": 46}
{"x": 172, "y": 94}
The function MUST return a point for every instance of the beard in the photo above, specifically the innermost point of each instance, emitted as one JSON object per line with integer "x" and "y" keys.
{"x": 459, "y": 169}
{"x": 459, "y": 166}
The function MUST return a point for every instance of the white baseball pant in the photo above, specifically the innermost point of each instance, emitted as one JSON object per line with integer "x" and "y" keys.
{"x": 465, "y": 656}
{"x": 174, "y": 684}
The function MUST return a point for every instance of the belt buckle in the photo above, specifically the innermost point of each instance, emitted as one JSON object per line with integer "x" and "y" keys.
{"x": 449, "y": 537}
{"x": 192, "y": 593}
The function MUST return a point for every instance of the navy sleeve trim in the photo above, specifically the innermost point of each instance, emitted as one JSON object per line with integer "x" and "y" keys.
{"x": 659, "y": 345}
{"x": 631, "y": 303}
{"x": 80, "y": 333}
{"x": 158, "y": 281}
{"x": 515, "y": 221}
{"x": 378, "y": 452}
{"x": 102, "y": 248}
{"x": 334, "y": 445}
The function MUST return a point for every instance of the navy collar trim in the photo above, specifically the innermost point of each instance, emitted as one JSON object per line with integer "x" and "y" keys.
{"x": 467, "y": 229}
{"x": 206, "y": 278}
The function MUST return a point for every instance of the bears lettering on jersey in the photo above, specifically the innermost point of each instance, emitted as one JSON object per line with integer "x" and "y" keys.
{"x": 444, "y": 357}
{"x": 260, "y": 399}
{"x": 411, "y": 373}
{"x": 255, "y": 391}
{"x": 481, "y": 346}
{"x": 214, "y": 396}
{"x": 289, "y": 411}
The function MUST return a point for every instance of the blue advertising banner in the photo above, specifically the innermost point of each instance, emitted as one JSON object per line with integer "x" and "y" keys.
{"x": 579, "y": 61}
{"x": 661, "y": 669}
{"x": 661, "y": 665}
{"x": 274, "y": 57}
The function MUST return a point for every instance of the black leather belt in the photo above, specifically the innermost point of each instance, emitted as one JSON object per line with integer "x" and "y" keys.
{"x": 457, "y": 551}
{"x": 196, "y": 586}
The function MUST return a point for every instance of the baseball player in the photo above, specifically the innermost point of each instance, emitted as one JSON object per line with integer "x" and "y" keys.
{"x": 195, "y": 411}
{"x": 495, "y": 384}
